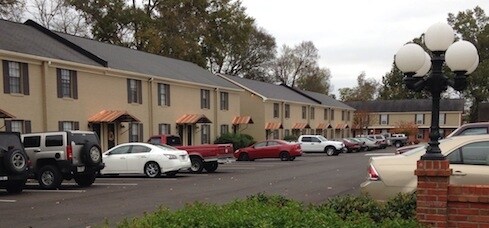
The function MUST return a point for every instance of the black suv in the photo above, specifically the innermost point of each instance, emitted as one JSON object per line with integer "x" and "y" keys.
{"x": 64, "y": 155}
{"x": 14, "y": 163}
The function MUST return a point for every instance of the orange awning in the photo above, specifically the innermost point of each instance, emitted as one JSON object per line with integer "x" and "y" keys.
{"x": 324, "y": 126}
{"x": 301, "y": 126}
{"x": 4, "y": 114}
{"x": 342, "y": 126}
{"x": 109, "y": 116}
{"x": 193, "y": 119}
{"x": 242, "y": 120}
{"x": 273, "y": 126}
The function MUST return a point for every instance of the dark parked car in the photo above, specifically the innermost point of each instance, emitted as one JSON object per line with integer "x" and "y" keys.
{"x": 269, "y": 149}
{"x": 14, "y": 163}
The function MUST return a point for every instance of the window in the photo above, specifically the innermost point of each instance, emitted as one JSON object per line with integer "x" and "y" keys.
{"x": 443, "y": 119}
{"x": 22, "y": 126}
{"x": 419, "y": 118}
{"x": 164, "y": 128}
{"x": 205, "y": 136}
{"x": 134, "y": 91}
{"x": 32, "y": 141}
{"x": 54, "y": 140}
{"x": 140, "y": 149}
{"x": 325, "y": 114}
{"x": 348, "y": 116}
{"x": 384, "y": 119}
{"x": 15, "y": 77}
{"x": 304, "y": 112}
{"x": 420, "y": 134}
{"x": 332, "y": 114}
{"x": 287, "y": 111}
{"x": 205, "y": 101}
{"x": 276, "y": 110}
{"x": 67, "y": 84}
{"x": 286, "y": 132}
{"x": 163, "y": 94}
{"x": 135, "y": 132}
{"x": 224, "y": 100}
{"x": 471, "y": 154}
{"x": 343, "y": 115}
{"x": 275, "y": 134}
{"x": 121, "y": 150}
{"x": 68, "y": 125}
{"x": 312, "y": 114}
{"x": 224, "y": 129}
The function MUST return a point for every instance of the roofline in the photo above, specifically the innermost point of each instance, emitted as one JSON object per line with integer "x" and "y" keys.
{"x": 242, "y": 86}
{"x": 301, "y": 93}
{"x": 66, "y": 42}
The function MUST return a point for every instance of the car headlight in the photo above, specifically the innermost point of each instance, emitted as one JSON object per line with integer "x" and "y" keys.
{"x": 171, "y": 156}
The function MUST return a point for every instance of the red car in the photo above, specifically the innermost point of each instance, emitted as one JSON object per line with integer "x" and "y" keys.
{"x": 269, "y": 149}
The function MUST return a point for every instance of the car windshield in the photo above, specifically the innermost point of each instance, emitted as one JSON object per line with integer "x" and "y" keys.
{"x": 322, "y": 138}
{"x": 166, "y": 147}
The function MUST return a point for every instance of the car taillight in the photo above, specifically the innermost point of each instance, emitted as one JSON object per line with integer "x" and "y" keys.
{"x": 372, "y": 174}
{"x": 69, "y": 152}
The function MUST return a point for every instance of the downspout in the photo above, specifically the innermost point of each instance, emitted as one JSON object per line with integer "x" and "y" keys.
{"x": 216, "y": 108}
{"x": 44, "y": 102}
{"x": 150, "y": 106}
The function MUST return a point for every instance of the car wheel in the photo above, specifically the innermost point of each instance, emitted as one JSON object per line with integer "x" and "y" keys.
{"x": 91, "y": 154}
{"x": 197, "y": 165}
{"x": 398, "y": 144}
{"x": 244, "y": 157}
{"x": 171, "y": 173}
{"x": 49, "y": 177}
{"x": 330, "y": 151}
{"x": 15, "y": 187}
{"x": 15, "y": 161}
{"x": 85, "y": 180}
{"x": 211, "y": 167}
{"x": 291, "y": 158}
{"x": 284, "y": 156}
{"x": 152, "y": 169}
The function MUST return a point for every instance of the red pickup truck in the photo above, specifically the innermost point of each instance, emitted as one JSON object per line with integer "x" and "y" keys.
{"x": 206, "y": 156}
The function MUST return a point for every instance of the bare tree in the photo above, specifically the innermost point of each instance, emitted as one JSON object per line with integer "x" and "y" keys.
{"x": 59, "y": 16}
{"x": 12, "y": 10}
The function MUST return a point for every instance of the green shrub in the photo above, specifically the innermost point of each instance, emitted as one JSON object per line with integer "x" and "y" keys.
{"x": 238, "y": 140}
{"x": 402, "y": 206}
{"x": 291, "y": 138}
{"x": 273, "y": 211}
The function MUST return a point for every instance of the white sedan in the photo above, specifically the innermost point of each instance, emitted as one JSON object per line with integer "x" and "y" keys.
{"x": 144, "y": 158}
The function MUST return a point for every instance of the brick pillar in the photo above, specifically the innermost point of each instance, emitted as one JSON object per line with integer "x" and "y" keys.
{"x": 432, "y": 192}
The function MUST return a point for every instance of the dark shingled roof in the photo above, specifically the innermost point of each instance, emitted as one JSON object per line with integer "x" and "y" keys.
{"x": 270, "y": 91}
{"x": 407, "y": 105}
{"x": 26, "y": 39}
{"x": 323, "y": 98}
{"x": 31, "y": 38}
{"x": 128, "y": 59}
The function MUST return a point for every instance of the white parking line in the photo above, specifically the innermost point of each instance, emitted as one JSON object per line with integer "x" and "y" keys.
{"x": 115, "y": 184}
{"x": 8, "y": 201}
{"x": 54, "y": 191}
{"x": 236, "y": 167}
{"x": 380, "y": 154}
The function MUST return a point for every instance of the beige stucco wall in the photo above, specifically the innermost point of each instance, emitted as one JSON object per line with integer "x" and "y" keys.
{"x": 106, "y": 89}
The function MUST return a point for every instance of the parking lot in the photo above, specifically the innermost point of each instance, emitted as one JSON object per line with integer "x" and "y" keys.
{"x": 312, "y": 178}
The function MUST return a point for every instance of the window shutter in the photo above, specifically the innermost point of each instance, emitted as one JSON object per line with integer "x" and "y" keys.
{"x": 129, "y": 92}
{"x": 58, "y": 82}
{"x": 6, "y": 81}
{"x": 159, "y": 129}
{"x": 167, "y": 95}
{"x": 8, "y": 125}
{"x": 25, "y": 77}
{"x": 140, "y": 92}
{"x": 75, "y": 84}
{"x": 141, "y": 138}
{"x": 60, "y": 125}
{"x": 159, "y": 94}
{"x": 27, "y": 126}
{"x": 76, "y": 125}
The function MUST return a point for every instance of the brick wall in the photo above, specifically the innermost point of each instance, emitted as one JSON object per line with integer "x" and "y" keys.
{"x": 440, "y": 204}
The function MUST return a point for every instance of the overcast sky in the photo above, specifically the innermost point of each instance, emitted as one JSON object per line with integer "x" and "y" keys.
{"x": 353, "y": 35}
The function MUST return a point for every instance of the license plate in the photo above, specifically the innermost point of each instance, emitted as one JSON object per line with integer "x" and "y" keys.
{"x": 80, "y": 168}
{"x": 4, "y": 178}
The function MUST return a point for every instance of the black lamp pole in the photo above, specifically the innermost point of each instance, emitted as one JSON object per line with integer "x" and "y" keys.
{"x": 436, "y": 82}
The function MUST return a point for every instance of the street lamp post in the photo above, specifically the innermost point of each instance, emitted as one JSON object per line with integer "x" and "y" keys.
{"x": 461, "y": 57}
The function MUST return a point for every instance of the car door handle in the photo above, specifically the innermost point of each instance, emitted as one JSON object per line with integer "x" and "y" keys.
{"x": 122, "y": 157}
{"x": 458, "y": 173}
